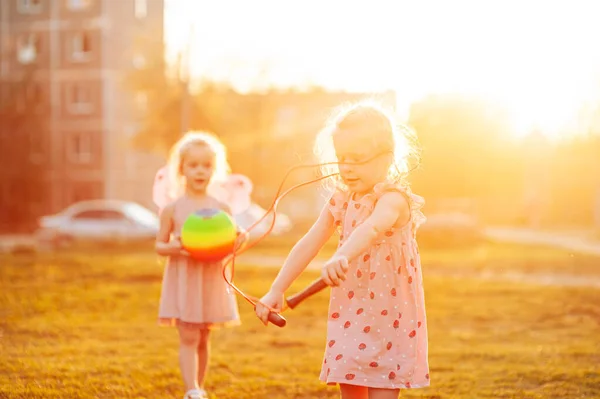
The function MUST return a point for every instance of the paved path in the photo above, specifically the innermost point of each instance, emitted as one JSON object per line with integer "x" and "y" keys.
{"x": 535, "y": 278}
{"x": 576, "y": 241}
{"x": 572, "y": 241}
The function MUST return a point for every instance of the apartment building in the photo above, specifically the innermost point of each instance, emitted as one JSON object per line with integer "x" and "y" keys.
{"x": 74, "y": 57}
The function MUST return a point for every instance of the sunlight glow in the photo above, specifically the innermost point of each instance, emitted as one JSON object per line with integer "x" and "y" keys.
{"x": 539, "y": 58}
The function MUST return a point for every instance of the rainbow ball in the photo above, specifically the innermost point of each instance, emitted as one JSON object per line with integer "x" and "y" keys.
{"x": 209, "y": 235}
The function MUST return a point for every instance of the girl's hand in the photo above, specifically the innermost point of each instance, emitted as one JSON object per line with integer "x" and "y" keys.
{"x": 176, "y": 247}
{"x": 335, "y": 270}
{"x": 272, "y": 301}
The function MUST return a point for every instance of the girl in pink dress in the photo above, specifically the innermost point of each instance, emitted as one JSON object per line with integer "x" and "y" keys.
{"x": 194, "y": 296}
{"x": 377, "y": 329}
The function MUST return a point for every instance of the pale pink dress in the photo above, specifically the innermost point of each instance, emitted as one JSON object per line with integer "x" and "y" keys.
{"x": 377, "y": 330}
{"x": 194, "y": 293}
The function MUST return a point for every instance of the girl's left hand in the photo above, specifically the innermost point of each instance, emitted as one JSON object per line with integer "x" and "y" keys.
{"x": 272, "y": 301}
{"x": 335, "y": 270}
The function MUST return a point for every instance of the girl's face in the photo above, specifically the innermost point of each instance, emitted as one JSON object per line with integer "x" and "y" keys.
{"x": 197, "y": 165}
{"x": 354, "y": 147}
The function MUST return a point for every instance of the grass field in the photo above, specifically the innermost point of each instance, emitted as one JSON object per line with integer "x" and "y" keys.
{"x": 82, "y": 326}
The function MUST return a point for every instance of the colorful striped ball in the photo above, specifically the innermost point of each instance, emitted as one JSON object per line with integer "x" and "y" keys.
{"x": 209, "y": 235}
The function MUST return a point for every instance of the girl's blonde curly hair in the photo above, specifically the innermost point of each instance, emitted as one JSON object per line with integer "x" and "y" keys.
{"x": 389, "y": 136}
{"x": 177, "y": 154}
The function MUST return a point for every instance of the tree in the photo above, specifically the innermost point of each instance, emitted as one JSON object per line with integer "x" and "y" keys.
{"x": 175, "y": 105}
{"x": 467, "y": 147}
{"x": 23, "y": 131}
{"x": 170, "y": 108}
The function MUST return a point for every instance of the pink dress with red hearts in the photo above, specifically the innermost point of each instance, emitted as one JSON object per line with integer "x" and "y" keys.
{"x": 376, "y": 329}
{"x": 195, "y": 294}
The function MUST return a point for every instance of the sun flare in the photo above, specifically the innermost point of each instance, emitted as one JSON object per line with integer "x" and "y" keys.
{"x": 537, "y": 58}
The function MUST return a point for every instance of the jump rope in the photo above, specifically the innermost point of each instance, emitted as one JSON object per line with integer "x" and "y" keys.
{"x": 316, "y": 286}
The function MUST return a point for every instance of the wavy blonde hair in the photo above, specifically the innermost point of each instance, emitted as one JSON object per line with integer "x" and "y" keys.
{"x": 389, "y": 136}
{"x": 177, "y": 155}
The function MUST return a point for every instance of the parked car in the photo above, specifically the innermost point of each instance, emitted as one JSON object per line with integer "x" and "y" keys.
{"x": 112, "y": 221}
{"x": 98, "y": 221}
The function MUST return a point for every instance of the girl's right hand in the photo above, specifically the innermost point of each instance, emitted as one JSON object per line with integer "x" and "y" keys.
{"x": 334, "y": 270}
{"x": 271, "y": 302}
{"x": 176, "y": 247}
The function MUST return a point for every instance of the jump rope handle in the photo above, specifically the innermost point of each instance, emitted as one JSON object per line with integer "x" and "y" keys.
{"x": 294, "y": 300}
{"x": 277, "y": 319}
{"x": 315, "y": 287}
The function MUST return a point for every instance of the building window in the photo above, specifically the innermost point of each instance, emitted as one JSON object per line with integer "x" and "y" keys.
{"x": 35, "y": 96}
{"x": 29, "y": 6}
{"x": 141, "y": 8}
{"x": 79, "y": 147}
{"x": 78, "y": 5}
{"x": 33, "y": 93}
{"x": 79, "y": 99}
{"x": 28, "y": 98}
{"x": 28, "y": 48}
{"x": 36, "y": 146}
{"x": 81, "y": 48}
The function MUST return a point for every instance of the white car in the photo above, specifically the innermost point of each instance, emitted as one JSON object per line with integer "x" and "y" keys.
{"x": 98, "y": 221}
{"x": 111, "y": 221}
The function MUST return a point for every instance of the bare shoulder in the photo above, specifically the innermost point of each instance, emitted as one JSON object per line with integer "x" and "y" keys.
{"x": 325, "y": 218}
{"x": 395, "y": 202}
{"x": 169, "y": 209}
{"x": 394, "y": 199}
